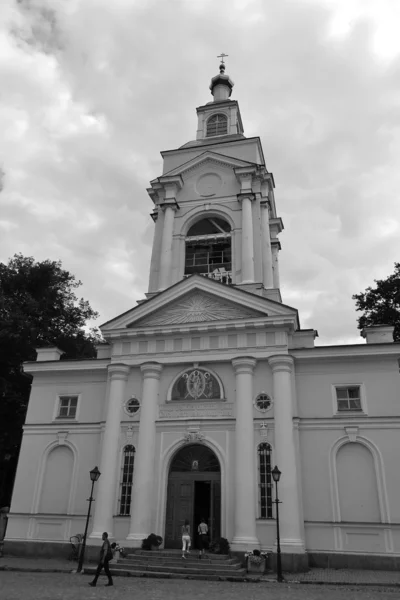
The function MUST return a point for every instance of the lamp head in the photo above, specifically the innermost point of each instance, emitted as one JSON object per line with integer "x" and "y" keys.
{"x": 95, "y": 474}
{"x": 276, "y": 474}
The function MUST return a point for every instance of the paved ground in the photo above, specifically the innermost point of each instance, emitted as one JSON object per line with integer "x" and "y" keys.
{"x": 62, "y": 586}
{"x": 327, "y": 576}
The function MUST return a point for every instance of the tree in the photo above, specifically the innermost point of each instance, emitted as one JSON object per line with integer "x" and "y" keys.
{"x": 38, "y": 307}
{"x": 381, "y": 304}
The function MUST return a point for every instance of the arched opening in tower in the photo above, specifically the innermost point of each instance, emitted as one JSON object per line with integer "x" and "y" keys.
{"x": 209, "y": 250}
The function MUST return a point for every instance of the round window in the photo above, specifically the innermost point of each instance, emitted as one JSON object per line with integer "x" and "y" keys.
{"x": 132, "y": 406}
{"x": 263, "y": 402}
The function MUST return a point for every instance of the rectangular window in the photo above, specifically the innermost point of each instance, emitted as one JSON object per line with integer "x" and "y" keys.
{"x": 348, "y": 398}
{"x": 265, "y": 481}
{"x": 67, "y": 407}
{"x": 125, "y": 499}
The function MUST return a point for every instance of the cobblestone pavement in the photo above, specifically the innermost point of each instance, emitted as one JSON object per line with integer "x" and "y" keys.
{"x": 62, "y": 586}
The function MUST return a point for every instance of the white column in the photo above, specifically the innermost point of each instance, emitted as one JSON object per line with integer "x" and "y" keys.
{"x": 156, "y": 252}
{"x": 275, "y": 264}
{"x": 164, "y": 279}
{"x": 247, "y": 241}
{"x": 268, "y": 280}
{"x": 291, "y": 520}
{"x": 105, "y": 488}
{"x": 245, "y": 535}
{"x": 143, "y": 474}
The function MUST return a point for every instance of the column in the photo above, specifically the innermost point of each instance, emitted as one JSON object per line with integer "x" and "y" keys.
{"x": 291, "y": 520}
{"x": 143, "y": 475}
{"x": 268, "y": 280}
{"x": 166, "y": 247}
{"x": 245, "y": 535}
{"x": 156, "y": 251}
{"x": 247, "y": 241}
{"x": 275, "y": 264}
{"x": 109, "y": 468}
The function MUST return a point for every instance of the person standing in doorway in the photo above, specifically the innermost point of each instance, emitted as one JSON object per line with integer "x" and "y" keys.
{"x": 105, "y": 557}
{"x": 185, "y": 538}
{"x": 203, "y": 536}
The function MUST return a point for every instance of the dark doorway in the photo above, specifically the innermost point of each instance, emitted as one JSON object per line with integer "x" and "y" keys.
{"x": 194, "y": 491}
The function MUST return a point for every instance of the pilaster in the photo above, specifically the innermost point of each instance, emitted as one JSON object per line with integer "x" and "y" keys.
{"x": 245, "y": 536}
{"x": 291, "y": 518}
{"x": 104, "y": 505}
{"x": 143, "y": 478}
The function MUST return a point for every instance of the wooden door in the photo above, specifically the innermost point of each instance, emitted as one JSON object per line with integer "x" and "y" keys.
{"x": 179, "y": 507}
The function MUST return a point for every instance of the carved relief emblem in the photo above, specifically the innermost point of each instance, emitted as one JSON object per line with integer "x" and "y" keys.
{"x": 193, "y": 436}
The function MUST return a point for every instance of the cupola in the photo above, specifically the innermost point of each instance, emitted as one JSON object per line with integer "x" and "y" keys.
{"x": 221, "y": 85}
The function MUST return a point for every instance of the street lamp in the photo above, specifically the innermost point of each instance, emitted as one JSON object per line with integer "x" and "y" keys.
{"x": 276, "y": 475}
{"x": 94, "y": 475}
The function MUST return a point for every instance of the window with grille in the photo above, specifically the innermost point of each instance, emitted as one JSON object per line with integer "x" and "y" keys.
{"x": 217, "y": 125}
{"x": 67, "y": 407}
{"x": 128, "y": 459}
{"x": 265, "y": 481}
{"x": 348, "y": 398}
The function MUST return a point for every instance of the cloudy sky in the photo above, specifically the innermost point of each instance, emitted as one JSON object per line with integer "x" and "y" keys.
{"x": 92, "y": 90}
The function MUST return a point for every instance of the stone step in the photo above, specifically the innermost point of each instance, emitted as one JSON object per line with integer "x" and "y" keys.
{"x": 199, "y": 564}
{"x": 183, "y": 575}
{"x": 175, "y": 553}
{"x": 172, "y": 560}
{"x": 178, "y": 569}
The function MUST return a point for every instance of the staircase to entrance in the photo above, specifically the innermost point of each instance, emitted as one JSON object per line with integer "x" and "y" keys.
{"x": 170, "y": 564}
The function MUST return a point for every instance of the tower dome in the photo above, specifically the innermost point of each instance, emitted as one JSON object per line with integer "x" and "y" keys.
{"x": 221, "y": 85}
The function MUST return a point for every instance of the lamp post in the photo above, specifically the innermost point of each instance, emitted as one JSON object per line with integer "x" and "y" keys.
{"x": 94, "y": 475}
{"x": 276, "y": 475}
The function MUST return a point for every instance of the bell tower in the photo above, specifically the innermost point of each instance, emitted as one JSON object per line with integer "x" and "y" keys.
{"x": 214, "y": 205}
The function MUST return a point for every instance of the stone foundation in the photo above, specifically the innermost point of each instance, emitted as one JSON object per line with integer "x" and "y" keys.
{"x": 333, "y": 560}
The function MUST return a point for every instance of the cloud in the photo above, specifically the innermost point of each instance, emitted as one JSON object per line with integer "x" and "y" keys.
{"x": 93, "y": 90}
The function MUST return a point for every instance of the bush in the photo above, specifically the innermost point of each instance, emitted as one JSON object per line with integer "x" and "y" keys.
{"x": 151, "y": 542}
{"x": 220, "y": 546}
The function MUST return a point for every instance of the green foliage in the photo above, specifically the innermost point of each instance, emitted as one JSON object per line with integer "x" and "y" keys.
{"x": 220, "y": 546}
{"x": 151, "y": 542}
{"x": 381, "y": 304}
{"x": 38, "y": 307}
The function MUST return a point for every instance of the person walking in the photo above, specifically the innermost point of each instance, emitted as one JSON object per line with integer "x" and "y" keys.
{"x": 203, "y": 536}
{"x": 185, "y": 538}
{"x": 105, "y": 557}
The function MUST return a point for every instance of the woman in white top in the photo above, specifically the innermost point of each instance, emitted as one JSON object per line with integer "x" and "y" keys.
{"x": 185, "y": 538}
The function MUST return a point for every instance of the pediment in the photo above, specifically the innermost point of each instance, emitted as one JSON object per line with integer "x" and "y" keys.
{"x": 207, "y": 159}
{"x": 197, "y": 301}
{"x": 198, "y": 307}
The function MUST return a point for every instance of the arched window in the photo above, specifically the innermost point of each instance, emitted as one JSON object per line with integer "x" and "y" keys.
{"x": 265, "y": 481}
{"x": 196, "y": 384}
{"x": 208, "y": 249}
{"x": 217, "y": 125}
{"x": 128, "y": 459}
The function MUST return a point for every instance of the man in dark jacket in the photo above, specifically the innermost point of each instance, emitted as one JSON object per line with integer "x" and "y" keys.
{"x": 105, "y": 557}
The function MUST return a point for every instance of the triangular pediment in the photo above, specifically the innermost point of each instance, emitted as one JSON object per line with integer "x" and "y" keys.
{"x": 207, "y": 159}
{"x": 198, "y": 307}
{"x": 200, "y": 301}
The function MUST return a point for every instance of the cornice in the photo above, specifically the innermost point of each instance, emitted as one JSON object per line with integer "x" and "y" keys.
{"x": 100, "y": 364}
{"x": 235, "y": 325}
{"x": 350, "y": 351}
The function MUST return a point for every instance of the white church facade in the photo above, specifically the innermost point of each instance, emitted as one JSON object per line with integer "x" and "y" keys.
{"x": 208, "y": 383}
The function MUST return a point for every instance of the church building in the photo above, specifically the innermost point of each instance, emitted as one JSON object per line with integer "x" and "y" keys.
{"x": 208, "y": 383}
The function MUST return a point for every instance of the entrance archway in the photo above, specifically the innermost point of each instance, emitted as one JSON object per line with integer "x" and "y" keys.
{"x": 194, "y": 491}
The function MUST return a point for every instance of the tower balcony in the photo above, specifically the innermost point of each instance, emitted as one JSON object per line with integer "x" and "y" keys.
{"x": 219, "y": 274}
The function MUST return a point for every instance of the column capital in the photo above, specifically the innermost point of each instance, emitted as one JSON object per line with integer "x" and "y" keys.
{"x": 281, "y": 362}
{"x": 244, "y": 364}
{"x": 265, "y": 203}
{"x": 152, "y": 370}
{"x": 250, "y": 196}
{"x": 118, "y": 371}
{"x": 169, "y": 204}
